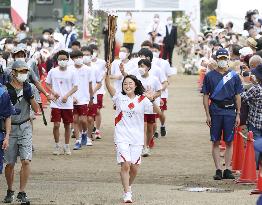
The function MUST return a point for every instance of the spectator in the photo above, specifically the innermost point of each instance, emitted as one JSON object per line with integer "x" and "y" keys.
{"x": 129, "y": 28}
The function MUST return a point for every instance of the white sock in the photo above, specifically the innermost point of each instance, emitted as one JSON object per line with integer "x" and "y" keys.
{"x": 66, "y": 146}
{"x": 57, "y": 145}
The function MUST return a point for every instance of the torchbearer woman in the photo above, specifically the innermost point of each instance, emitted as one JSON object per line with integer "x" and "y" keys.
{"x": 131, "y": 105}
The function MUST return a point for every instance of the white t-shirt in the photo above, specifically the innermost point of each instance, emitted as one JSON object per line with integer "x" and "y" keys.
{"x": 129, "y": 120}
{"x": 62, "y": 82}
{"x": 84, "y": 77}
{"x": 166, "y": 69}
{"x": 101, "y": 66}
{"x": 151, "y": 83}
{"x": 96, "y": 77}
{"x": 115, "y": 70}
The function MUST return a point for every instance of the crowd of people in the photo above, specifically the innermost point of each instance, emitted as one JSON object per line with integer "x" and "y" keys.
{"x": 75, "y": 78}
{"x": 232, "y": 66}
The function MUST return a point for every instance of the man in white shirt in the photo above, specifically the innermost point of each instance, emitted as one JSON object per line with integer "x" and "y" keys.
{"x": 166, "y": 70}
{"x": 62, "y": 84}
{"x": 96, "y": 78}
{"x": 101, "y": 65}
{"x": 82, "y": 97}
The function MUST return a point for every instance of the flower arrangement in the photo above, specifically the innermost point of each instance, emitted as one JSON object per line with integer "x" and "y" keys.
{"x": 183, "y": 24}
{"x": 7, "y": 29}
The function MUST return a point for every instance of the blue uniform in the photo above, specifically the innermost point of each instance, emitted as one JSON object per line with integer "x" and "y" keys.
{"x": 221, "y": 119}
{"x": 6, "y": 110}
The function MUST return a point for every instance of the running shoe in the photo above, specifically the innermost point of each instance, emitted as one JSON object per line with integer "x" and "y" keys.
{"x": 77, "y": 145}
{"x": 83, "y": 139}
{"x": 89, "y": 142}
{"x": 127, "y": 197}
{"x": 98, "y": 135}
{"x": 163, "y": 131}
{"x": 227, "y": 174}
{"x": 145, "y": 152}
{"x": 22, "y": 198}
{"x": 10, "y": 196}
{"x": 218, "y": 175}
{"x": 156, "y": 135}
{"x": 57, "y": 150}
{"x": 67, "y": 151}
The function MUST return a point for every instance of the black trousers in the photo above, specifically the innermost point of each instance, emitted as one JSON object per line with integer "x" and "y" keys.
{"x": 129, "y": 46}
{"x": 168, "y": 54}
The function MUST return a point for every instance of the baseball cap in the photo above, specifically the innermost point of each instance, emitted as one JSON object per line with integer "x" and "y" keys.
{"x": 222, "y": 53}
{"x": 20, "y": 65}
{"x": 18, "y": 48}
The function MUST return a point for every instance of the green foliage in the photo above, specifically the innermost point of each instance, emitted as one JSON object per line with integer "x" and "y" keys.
{"x": 208, "y": 8}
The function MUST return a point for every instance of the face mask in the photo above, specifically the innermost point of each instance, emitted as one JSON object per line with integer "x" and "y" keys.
{"x": 222, "y": 63}
{"x": 122, "y": 55}
{"x": 94, "y": 55}
{"x": 86, "y": 59}
{"x": 169, "y": 22}
{"x": 141, "y": 71}
{"x": 20, "y": 59}
{"x": 156, "y": 20}
{"x": 68, "y": 28}
{"x": 21, "y": 77}
{"x": 46, "y": 45}
{"x": 34, "y": 45}
{"x": 62, "y": 63}
{"x": 45, "y": 36}
{"x": 28, "y": 48}
{"x": 79, "y": 61}
{"x": 156, "y": 54}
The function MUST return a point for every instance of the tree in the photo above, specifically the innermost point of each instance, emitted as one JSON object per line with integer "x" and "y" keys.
{"x": 208, "y": 8}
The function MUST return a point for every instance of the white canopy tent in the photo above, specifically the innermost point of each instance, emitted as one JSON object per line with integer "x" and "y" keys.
{"x": 235, "y": 11}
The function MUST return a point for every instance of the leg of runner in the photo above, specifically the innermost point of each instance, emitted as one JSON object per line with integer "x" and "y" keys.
{"x": 124, "y": 173}
{"x": 24, "y": 174}
{"x": 216, "y": 158}
{"x": 162, "y": 119}
{"x": 98, "y": 120}
{"x": 133, "y": 173}
{"x": 77, "y": 132}
{"x": 56, "y": 133}
{"x": 67, "y": 139}
{"x": 90, "y": 126}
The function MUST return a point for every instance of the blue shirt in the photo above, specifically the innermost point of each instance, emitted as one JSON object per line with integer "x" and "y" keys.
{"x": 6, "y": 108}
{"x": 228, "y": 92}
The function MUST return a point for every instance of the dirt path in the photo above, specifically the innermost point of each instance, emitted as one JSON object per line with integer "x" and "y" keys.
{"x": 90, "y": 176}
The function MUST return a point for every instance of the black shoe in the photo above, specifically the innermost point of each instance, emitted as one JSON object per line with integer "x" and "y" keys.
{"x": 218, "y": 175}
{"x": 10, "y": 196}
{"x": 156, "y": 135}
{"x": 22, "y": 198}
{"x": 163, "y": 131}
{"x": 228, "y": 174}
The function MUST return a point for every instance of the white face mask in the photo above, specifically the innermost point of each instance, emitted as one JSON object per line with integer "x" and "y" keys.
{"x": 169, "y": 22}
{"x": 122, "y": 55}
{"x": 34, "y": 45}
{"x": 28, "y": 48}
{"x": 21, "y": 77}
{"x": 79, "y": 61}
{"x": 86, "y": 59}
{"x": 62, "y": 63}
{"x": 46, "y": 45}
{"x": 20, "y": 59}
{"x": 222, "y": 63}
{"x": 45, "y": 36}
{"x": 68, "y": 28}
{"x": 156, "y": 20}
{"x": 156, "y": 54}
{"x": 141, "y": 71}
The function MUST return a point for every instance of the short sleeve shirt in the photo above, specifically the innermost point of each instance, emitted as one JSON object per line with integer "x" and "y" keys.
{"x": 228, "y": 92}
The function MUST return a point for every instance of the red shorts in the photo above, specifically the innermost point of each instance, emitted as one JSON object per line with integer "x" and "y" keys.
{"x": 65, "y": 114}
{"x": 92, "y": 110}
{"x": 150, "y": 118}
{"x": 80, "y": 110}
{"x": 100, "y": 101}
{"x": 163, "y": 105}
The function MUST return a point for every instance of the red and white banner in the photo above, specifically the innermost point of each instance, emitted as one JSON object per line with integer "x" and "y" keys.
{"x": 19, "y": 11}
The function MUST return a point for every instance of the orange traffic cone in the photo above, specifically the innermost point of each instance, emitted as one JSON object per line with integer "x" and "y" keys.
{"x": 248, "y": 172}
{"x": 238, "y": 151}
{"x": 258, "y": 190}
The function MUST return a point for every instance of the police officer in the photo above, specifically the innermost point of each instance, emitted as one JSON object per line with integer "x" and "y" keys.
{"x": 223, "y": 87}
{"x": 20, "y": 142}
{"x": 6, "y": 109}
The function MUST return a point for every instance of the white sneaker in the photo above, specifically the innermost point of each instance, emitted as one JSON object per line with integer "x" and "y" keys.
{"x": 67, "y": 151}
{"x": 127, "y": 197}
{"x": 89, "y": 142}
{"x": 146, "y": 152}
{"x": 57, "y": 150}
